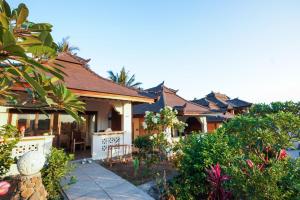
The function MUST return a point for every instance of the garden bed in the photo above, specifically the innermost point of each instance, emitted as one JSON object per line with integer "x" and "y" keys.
{"x": 144, "y": 175}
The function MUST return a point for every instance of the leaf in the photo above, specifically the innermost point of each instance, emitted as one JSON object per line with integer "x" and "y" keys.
{"x": 48, "y": 69}
{"x": 8, "y": 39}
{"x": 46, "y": 38}
{"x": 41, "y": 50}
{"x": 40, "y": 27}
{"x": 5, "y": 8}
{"x": 22, "y": 14}
{"x": 4, "y": 21}
{"x": 34, "y": 84}
{"x": 29, "y": 41}
{"x": 15, "y": 50}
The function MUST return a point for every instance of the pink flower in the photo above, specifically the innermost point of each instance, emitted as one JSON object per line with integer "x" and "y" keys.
{"x": 4, "y": 187}
{"x": 282, "y": 154}
{"x": 250, "y": 163}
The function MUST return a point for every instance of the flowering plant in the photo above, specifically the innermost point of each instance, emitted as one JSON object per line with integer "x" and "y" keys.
{"x": 166, "y": 118}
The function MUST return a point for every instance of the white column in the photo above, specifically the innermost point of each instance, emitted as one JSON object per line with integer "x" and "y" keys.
{"x": 3, "y": 115}
{"x": 203, "y": 123}
{"x": 127, "y": 123}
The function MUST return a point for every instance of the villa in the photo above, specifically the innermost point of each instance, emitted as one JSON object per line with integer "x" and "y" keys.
{"x": 192, "y": 114}
{"x": 224, "y": 108}
{"x": 107, "y": 119}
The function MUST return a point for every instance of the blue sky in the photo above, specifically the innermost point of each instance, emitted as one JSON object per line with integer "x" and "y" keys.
{"x": 247, "y": 49}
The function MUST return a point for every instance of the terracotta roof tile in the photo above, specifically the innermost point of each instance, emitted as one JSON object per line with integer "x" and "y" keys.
{"x": 79, "y": 76}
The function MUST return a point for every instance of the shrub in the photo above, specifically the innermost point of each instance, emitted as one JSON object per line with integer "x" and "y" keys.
{"x": 10, "y": 137}
{"x": 57, "y": 167}
{"x": 259, "y": 164}
{"x": 197, "y": 153}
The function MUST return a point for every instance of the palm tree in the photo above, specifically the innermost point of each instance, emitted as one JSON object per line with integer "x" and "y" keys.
{"x": 64, "y": 46}
{"x": 124, "y": 78}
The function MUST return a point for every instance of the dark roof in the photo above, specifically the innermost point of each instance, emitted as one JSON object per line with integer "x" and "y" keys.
{"x": 238, "y": 103}
{"x": 80, "y": 77}
{"x": 220, "y": 102}
{"x": 168, "y": 97}
{"x": 219, "y": 117}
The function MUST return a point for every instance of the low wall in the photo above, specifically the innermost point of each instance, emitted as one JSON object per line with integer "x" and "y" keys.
{"x": 40, "y": 144}
{"x": 102, "y": 140}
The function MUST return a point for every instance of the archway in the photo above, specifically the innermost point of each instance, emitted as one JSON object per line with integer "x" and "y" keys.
{"x": 193, "y": 124}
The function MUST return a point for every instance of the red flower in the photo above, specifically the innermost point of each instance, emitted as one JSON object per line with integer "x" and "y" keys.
{"x": 4, "y": 187}
{"x": 282, "y": 154}
{"x": 250, "y": 163}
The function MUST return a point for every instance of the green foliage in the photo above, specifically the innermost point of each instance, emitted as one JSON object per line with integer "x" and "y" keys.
{"x": 57, "y": 167}
{"x": 9, "y": 137}
{"x": 136, "y": 165}
{"x": 251, "y": 150}
{"x": 197, "y": 152}
{"x": 260, "y": 141}
{"x": 143, "y": 142}
{"x": 25, "y": 47}
{"x": 275, "y": 107}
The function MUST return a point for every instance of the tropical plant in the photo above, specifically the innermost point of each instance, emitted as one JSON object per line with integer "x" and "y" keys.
{"x": 216, "y": 181}
{"x": 27, "y": 52}
{"x": 9, "y": 137}
{"x": 65, "y": 46}
{"x": 260, "y": 162}
{"x": 57, "y": 167}
{"x": 196, "y": 154}
{"x": 124, "y": 78}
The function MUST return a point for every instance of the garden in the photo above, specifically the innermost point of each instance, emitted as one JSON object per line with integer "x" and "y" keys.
{"x": 244, "y": 159}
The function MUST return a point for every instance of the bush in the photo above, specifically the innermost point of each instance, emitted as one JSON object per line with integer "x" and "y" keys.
{"x": 251, "y": 151}
{"x": 259, "y": 164}
{"x": 57, "y": 167}
{"x": 10, "y": 137}
{"x": 197, "y": 153}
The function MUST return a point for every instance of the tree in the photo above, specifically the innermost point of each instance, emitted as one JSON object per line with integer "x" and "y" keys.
{"x": 26, "y": 54}
{"x": 65, "y": 46}
{"x": 124, "y": 78}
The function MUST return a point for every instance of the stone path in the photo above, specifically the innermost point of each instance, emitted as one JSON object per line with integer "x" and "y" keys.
{"x": 94, "y": 182}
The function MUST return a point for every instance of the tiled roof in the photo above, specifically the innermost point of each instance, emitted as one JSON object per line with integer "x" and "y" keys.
{"x": 168, "y": 97}
{"x": 80, "y": 77}
{"x": 221, "y": 102}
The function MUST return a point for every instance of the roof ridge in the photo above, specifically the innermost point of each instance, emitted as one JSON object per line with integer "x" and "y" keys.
{"x": 186, "y": 101}
{"x": 85, "y": 66}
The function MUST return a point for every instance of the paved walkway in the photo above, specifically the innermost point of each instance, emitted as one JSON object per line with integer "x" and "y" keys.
{"x": 94, "y": 182}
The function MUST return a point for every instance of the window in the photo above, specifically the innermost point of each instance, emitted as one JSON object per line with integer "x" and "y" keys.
{"x": 34, "y": 123}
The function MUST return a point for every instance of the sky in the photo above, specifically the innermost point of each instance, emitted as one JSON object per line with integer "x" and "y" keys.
{"x": 248, "y": 49}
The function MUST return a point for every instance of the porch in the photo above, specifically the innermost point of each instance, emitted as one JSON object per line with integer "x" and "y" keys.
{"x": 105, "y": 122}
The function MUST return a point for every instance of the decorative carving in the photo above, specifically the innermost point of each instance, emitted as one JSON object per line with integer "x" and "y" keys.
{"x": 110, "y": 141}
{"x": 21, "y": 149}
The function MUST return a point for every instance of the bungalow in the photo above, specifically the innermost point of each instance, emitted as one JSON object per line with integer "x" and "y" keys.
{"x": 191, "y": 113}
{"x": 108, "y": 115}
{"x": 223, "y": 107}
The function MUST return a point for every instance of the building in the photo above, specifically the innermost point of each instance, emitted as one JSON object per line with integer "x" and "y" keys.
{"x": 189, "y": 112}
{"x": 108, "y": 115}
{"x": 223, "y": 107}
